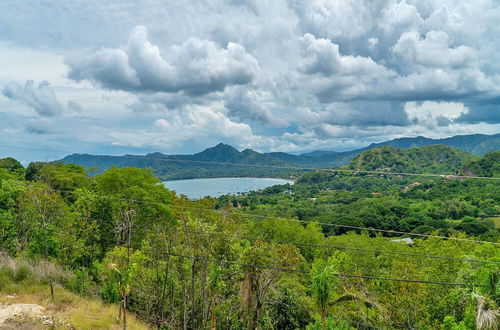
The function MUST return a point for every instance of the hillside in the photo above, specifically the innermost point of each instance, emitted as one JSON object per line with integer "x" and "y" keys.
{"x": 427, "y": 159}
{"x": 121, "y": 237}
{"x": 25, "y": 301}
{"x": 476, "y": 144}
{"x": 488, "y": 166}
{"x": 210, "y": 162}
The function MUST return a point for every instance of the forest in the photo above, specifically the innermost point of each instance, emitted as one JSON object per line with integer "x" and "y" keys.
{"x": 335, "y": 250}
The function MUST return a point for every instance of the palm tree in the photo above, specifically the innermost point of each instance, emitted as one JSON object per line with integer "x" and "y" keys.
{"x": 487, "y": 301}
{"x": 324, "y": 283}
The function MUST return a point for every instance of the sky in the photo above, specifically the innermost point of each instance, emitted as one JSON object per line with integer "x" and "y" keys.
{"x": 123, "y": 76}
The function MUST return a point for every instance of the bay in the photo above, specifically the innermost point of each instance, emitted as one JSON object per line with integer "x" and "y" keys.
{"x": 215, "y": 187}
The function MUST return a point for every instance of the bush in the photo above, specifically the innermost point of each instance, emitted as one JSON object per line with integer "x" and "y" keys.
{"x": 22, "y": 272}
{"x": 80, "y": 282}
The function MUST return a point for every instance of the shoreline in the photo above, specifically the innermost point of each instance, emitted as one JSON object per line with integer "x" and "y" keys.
{"x": 232, "y": 177}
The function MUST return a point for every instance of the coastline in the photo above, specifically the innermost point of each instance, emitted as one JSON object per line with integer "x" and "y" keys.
{"x": 232, "y": 177}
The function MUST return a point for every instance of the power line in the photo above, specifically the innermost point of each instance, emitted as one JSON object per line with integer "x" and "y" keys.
{"x": 390, "y": 231}
{"x": 339, "y": 247}
{"x": 271, "y": 302}
{"x": 289, "y": 167}
{"x": 353, "y": 227}
{"x": 326, "y": 246}
{"x": 301, "y": 271}
{"x": 294, "y": 270}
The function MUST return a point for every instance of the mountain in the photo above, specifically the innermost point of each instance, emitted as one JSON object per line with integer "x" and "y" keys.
{"x": 212, "y": 162}
{"x": 476, "y": 144}
{"x": 208, "y": 163}
{"x": 427, "y": 159}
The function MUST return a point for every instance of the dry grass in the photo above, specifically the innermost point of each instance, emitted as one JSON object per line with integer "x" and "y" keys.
{"x": 69, "y": 308}
{"x": 25, "y": 282}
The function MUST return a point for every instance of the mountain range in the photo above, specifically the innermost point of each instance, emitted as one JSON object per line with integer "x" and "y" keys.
{"x": 224, "y": 160}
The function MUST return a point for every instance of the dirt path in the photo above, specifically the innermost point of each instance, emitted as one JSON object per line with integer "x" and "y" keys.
{"x": 16, "y": 316}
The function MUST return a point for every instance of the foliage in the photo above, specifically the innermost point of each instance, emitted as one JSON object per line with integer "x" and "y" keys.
{"x": 272, "y": 259}
{"x": 488, "y": 166}
{"x": 427, "y": 159}
{"x": 10, "y": 164}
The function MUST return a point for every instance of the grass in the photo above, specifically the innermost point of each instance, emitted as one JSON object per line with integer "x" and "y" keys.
{"x": 19, "y": 284}
{"x": 81, "y": 313}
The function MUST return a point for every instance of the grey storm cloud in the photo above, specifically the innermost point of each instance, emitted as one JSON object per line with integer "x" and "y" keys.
{"x": 439, "y": 72}
{"x": 194, "y": 67}
{"x": 358, "y": 113}
{"x": 244, "y": 105}
{"x": 39, "y": 97}
{"x": 488, "y": 113}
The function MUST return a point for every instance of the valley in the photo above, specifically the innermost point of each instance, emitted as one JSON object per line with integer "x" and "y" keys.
{"x": 394, "y": 227}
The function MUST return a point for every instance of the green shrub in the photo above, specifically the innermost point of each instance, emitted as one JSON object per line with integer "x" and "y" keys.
{"x": 22, "y": 272}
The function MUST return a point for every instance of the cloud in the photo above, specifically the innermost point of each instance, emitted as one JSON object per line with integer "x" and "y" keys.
{"x": 433, "y": 50}
{"x": 41, "y": 98}
{"x": 249, "y": 105}
{"x": 481, "y": 113}
{"x": 287, "y": 74}
{"x": 108, "y": 67}
{"x": 73, "y": 106}
{"x": 428, "y": 69}
{"x": 344, "y": 19}
{"x": 399, "y": 15}
{"x": 340, "y": 77}
{"x": 39, "y": 127}
{"x": 350, "y": 114}
{"x": 322, "y": 56}
{"x": 433, "y": 114}
{"x": 194, "y": 67}
{"x": 197, "y": 124}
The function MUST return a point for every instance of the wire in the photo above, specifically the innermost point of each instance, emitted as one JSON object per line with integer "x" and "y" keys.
{"x": 294, "y": 270}
{"x": 417, "y": 255}
{"x": 309, "y": 310}
{"x": 339, "y": 247}
{"x": 451, "y": 176}
{"x": 354, "y": 227}
{"x": 272, "y": 217}
{"x": 205, "y": 258}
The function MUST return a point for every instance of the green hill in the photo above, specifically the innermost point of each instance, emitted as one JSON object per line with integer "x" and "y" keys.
{"x": 436, "y": 159}
{"x": 489, "y": 166}
{"x": 476, "y": 144}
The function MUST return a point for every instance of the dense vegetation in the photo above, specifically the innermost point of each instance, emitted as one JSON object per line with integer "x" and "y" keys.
{"x": 275, "y": 259}
{"x": 489, "y": 165}
{"x": 211, "y": 162}
{"x": 435, "y": 159}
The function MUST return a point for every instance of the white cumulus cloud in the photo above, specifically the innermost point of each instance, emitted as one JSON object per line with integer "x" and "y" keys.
{"x": 196, "y": 66}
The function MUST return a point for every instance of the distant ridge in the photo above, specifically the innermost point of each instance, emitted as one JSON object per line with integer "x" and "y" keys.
{"x": 476, "y": 144}
{"x": 192, "y": 166}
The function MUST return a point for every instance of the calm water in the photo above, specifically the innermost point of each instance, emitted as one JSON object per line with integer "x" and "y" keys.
{"x": 199, "y": 188}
